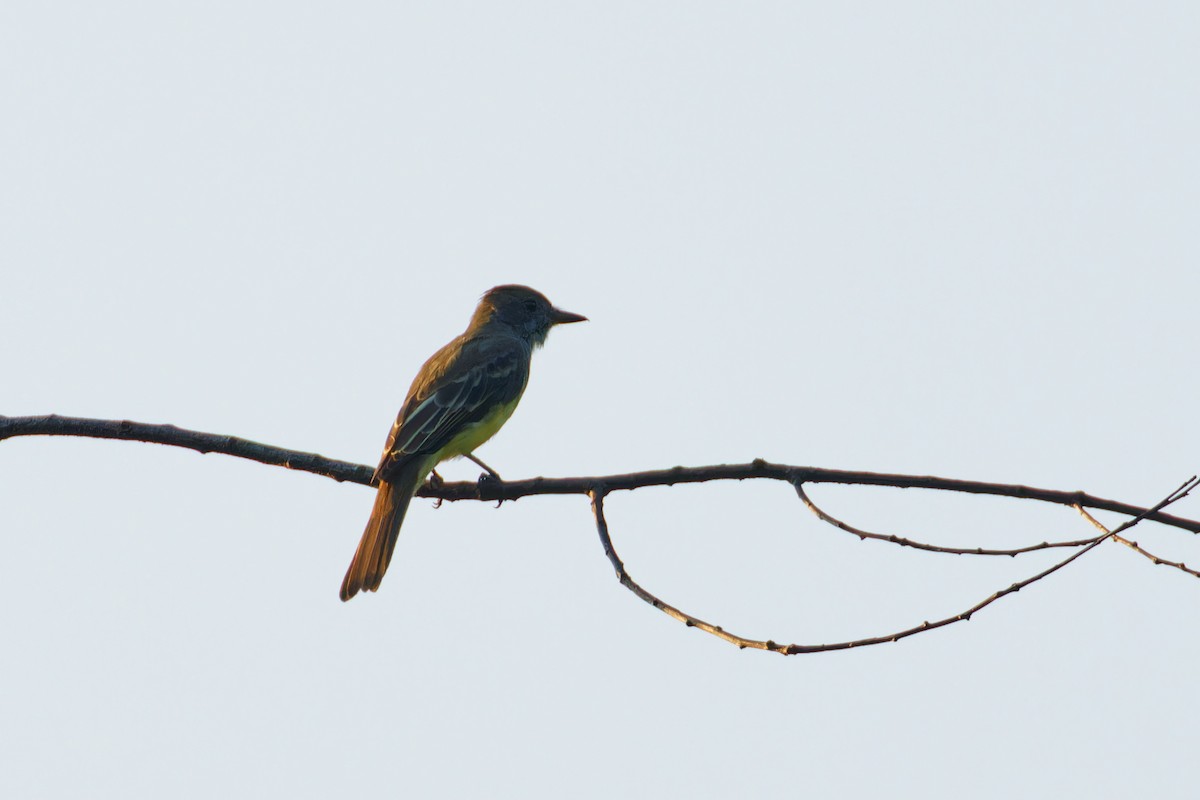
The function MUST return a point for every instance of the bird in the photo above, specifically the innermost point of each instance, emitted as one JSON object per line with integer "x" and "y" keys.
{"x": 459, "y": 399}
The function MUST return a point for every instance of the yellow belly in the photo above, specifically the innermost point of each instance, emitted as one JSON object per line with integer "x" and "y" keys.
{"x": 475, "y": 435}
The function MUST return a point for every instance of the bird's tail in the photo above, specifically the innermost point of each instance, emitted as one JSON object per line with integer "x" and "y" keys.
{"x": 383, "y": 528}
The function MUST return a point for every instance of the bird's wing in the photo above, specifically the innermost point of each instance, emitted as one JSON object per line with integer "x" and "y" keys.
{"x": 458, "y": 387}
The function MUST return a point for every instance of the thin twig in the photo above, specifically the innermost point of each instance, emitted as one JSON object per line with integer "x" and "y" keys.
{"x": 598, "y": 493}
{"x": 932, "y": 548}
{"x": 1179, "y": 565}
{"x": 597, "y": 496}
{"x": 54, "y": 425}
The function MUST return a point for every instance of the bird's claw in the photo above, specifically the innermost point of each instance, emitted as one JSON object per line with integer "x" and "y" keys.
{"x": 484, "y": 482}
{"x": 436, "y": 482}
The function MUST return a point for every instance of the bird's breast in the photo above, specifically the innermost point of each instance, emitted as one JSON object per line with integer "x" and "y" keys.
{"x": 474, "y": 436}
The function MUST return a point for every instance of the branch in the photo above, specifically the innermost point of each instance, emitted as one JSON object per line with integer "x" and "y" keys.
{"x": 628, "y": 582}
{"x": 597, "y": 488}
{"x": 1179, "y": 565}
{"x": 54, "y": 425}
{"x": 933, "y": 548}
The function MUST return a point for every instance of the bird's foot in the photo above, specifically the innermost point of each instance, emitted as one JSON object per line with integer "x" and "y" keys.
{"x": 487, "y": 483}
{"x": 436, "y": 482}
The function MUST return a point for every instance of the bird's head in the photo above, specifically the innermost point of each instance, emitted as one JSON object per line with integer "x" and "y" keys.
{"x": 526, "y": 311}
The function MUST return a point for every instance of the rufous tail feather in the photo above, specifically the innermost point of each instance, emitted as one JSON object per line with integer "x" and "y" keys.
{"x": 383, "y": 528}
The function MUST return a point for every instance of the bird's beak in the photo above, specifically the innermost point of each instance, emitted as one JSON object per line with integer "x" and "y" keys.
{"x": 560, "y": 317}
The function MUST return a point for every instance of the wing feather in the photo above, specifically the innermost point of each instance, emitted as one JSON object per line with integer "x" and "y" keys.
{"x": 456, "y": 389}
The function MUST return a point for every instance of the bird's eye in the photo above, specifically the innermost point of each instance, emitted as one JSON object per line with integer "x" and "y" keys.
{"x": 530, "y": 306}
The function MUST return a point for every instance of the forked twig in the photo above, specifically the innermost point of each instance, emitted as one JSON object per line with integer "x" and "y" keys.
{"x": 599, "y": 492}
{"x": 1179, "y": 565}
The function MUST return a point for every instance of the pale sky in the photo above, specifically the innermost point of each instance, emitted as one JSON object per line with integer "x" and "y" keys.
{"x": 937, "y": 238}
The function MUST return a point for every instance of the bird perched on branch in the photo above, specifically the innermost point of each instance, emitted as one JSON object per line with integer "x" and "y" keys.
{"x": 459, "y": 399}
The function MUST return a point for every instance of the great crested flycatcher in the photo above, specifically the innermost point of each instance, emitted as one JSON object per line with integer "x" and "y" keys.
{"x": 459, "y": 399}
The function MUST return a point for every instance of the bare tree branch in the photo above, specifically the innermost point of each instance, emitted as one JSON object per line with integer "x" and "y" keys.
{"x": 629, "y": 583}
{"x": 598, "y": 495}
{"x": 932, "y": 548}
{"x": 1179, "y": 565}
{"x": 597, "y": 488}
{"x": 54, "y": 425}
